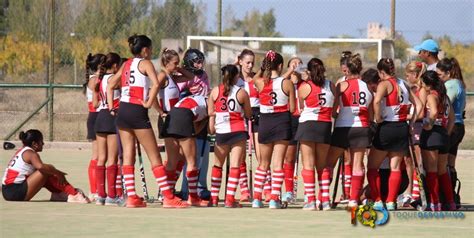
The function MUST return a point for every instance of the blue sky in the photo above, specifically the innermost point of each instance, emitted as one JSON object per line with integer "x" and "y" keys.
{"x": 326, "y": 18}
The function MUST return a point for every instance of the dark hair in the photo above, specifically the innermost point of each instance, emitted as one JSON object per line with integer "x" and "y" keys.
{"x": 431, "y": 78}
{"x": 30, "y": 136}
{"x": 451, "y": 65}
{"x": 228, "y": 74}
{"x": 107, "y": 63}
{"x": 244, "y": 53}
{"x": 92, "y": 65}
{"x": 345, "y": 57}
{"x": 138, "y": 42}
{"x": 371, "y": 76}
{"x": 316, "y": 71}
{"x": 122, "y": 61}
{"x": 354, "y": 64}
{"x": 271, "y": 62}
{"x": 387, "y": 65}
{"x": 167, "y": 55}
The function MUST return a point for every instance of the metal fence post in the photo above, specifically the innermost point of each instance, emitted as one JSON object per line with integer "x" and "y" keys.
{"x": 51, "y": 73}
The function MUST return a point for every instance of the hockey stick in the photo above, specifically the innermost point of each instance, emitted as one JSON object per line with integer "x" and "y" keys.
{"x": 122, "y": 178}
{"x": 227, "y": 168}
{"x": 142, "y": 175}
{"x": 336, "y": 184}
{"x": 420, "y": 177}
{"x": 295, "y": 174}
{"x": 249, "y": 148}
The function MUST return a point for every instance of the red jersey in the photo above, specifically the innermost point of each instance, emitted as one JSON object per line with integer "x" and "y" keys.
{"x": 169, "y": 95}
{"x": 272, "y": 97}
{"x": 197, "y": 104}
{"x": 17, "y": 170}
{"x": 135, "y": 85}
{"x": 396, "y": 105}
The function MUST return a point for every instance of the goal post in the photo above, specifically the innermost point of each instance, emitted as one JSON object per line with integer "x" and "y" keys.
{"x": 224, "y": 50}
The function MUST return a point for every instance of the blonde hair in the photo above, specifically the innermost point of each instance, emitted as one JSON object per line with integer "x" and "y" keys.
{"x": 416, "y": 67}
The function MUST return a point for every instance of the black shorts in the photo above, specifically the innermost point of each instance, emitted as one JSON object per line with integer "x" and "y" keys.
{"x": 15, "y": 192}
{"x": 435, "y": 139}
{"x": 314, "y": 131}
{"x": 351, "y": 137}
{"x": 132, "y": 116}
{"x": 255, "y": 117}
{"x": 294, "y": 129}
{"x": 91, "y": 118}
{"x": 181, "y": 124}
{"x": 417, "y": 128}
{"x": 391, "y": 137}
{"x": 456, "y": 138}
{"x": 105, "y": 123}
{"x": 274, "y": 127}
{"x": 231, "y": 138}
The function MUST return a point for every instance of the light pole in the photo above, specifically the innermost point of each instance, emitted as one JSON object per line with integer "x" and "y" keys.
{"x": 73, "y": 34}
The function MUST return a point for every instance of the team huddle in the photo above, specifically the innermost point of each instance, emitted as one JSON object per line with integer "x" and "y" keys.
{"x": 406, "y": 128}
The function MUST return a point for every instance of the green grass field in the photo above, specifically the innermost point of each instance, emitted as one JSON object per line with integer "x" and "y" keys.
{"x": 41, "y": 218}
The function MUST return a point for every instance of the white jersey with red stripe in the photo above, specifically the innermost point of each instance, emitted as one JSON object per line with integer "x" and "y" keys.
{"x": 229, "y": 112}
{"x": 18, "y": 170}
{"x": 169, "y": 95}
{"x": 89, "y": 95}
{"x": 135, "y": 85}
{"x": 354, "y": 105}
{"x": 318, "y": 104}
{"x": 396, "y": 105}
{"x": 196, "y": 103}
{"x": 443, "y": 111}
{"x": 272, "y": 97}
{"x": 297, "y": 111}
{"x": 251, "y": 90}
{"x": 103, "y": 94}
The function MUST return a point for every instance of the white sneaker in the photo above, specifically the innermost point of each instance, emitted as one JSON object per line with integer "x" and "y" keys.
{"x": 92, "y": 196}
{"x": 352, "y": 204}
{"x": 113, "y": 201}
{"x": 78, "y": 198}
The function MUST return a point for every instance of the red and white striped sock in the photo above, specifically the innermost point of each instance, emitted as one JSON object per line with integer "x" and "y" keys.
{"x": 415, "y": 194}
{"x": 118, "y": 182}
{"x": 267, "y": 189}
{"x": 92, "y": 175}
{"x": 277, "y": 181}
{"x": 170, "y": 176}
{"x": 100, "y": 177}
{"x": 260, "y": 177}
{"x": 243, "y": 180}
{"x": 216, "y": 181}
{"x": 325, "y": 184}
{"x": 192, "y": 177}
{"x": 111, "y": 179}
{"x": 129, "y": 179}
{"x": 320, "y": 184}
{"x": 347, "y": 179}
{"x": 309, "y": 184}
{"x": 289, "y": 171}
{"x": 232, "y": 183}
{"x": 159, "y": 173}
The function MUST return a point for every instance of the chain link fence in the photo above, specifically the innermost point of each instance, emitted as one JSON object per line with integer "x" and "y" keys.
{"x": 79, "y": 27}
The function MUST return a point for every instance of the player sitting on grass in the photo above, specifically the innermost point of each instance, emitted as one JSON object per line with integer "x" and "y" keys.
{"x": 26, "y": 174}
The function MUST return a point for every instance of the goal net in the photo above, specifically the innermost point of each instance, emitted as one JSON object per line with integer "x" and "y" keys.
{"x": 221, "y": 50}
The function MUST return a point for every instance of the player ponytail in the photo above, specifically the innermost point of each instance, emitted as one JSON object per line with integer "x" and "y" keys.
{"x": 387, "y": 65}
{"x": 92, "y": 65}
{"x": 354, "y": 64}
{"x": 229, "y": 72}
{"x": 107, "y": 62}
{"x": 271, "y": 62}
{"x": 431, "y": 79}
{"x": 316, "y": 71}
{"x": 137, "y": 42}
{"x": 418, "y": 68}
{"x": 30, "y": 136}
{"x": 371, "y": 76}
{"x": 345, "y": 58}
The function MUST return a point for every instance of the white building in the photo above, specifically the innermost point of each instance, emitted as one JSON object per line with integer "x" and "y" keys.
{"x": 376, "y": 30}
